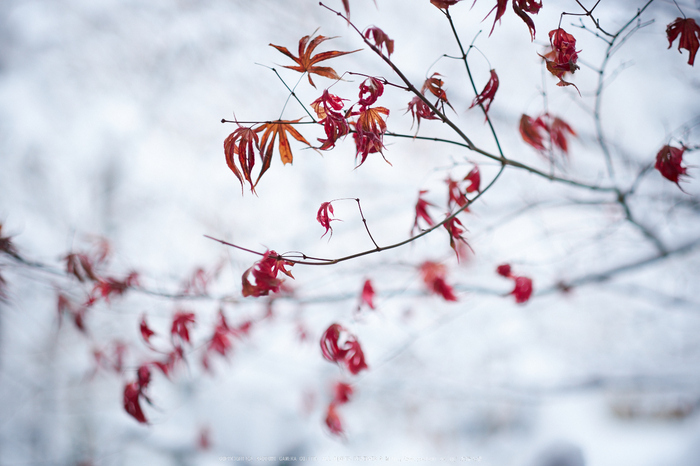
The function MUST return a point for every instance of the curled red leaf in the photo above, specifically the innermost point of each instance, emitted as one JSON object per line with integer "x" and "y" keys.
{"x": 324, "y": 217}
{"x": 563, "y": 56}
{"x": 367, "y": 294}
{"x": 522, "y": 8}
{"x": 668, "y": 163}
{"x": 486, "y": 97}
{"x": 422, "y": 211}
{"x": 341, "y": 347}
{"x": 380, "y": 39}
{"x": 434, "y": 84}
{"x": 370, "y": 90}
{"x": 334, "y": 123}
{"x": 689, "y": 32}
{"x": 265, "y": 273}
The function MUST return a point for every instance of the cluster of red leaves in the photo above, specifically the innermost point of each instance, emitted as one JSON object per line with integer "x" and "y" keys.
{"x": 370, "y": 125}
{"x": 323, "y": 216}
{"x": 434, "y": 278}
{"x": 265, "y": 273}
{"x": 689, "y": 33}
{"x": 380, "y": 39}
{"x": 486, "y": 97}
{"x": 341, "y": 395}
{"x": 82, "y": 265}
{"x": 220, "y": 341}
{"x": 535, "y": 130}
{"x": 341, "y": 347}
{"x": 668, "y": 163}
{"x": 107, "y": 286}
{"x": 523, "y": 285}
{"x": 327, "y": 108}
{"x": 563, "y": 56}
{"x": 420, "y": 110}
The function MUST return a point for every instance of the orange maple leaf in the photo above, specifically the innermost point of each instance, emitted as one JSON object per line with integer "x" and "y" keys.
{"x": 272, "y": 131}
{"x": 305, "y": 62}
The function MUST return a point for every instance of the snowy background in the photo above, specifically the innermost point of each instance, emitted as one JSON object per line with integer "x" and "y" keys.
{"x": 109, "y": 128}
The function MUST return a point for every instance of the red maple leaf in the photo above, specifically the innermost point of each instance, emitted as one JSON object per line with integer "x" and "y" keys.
{"x": 334, "y": 123}
{"x": 323, "y": 217}
{"x": 341, "y": 347}
{"x": 500, "y": 9}
{"x": 341, "y": 393}
{"x": 522, "y": 290}
{"x": 369, "y": 131}
{"x": 444, "y": 4}
{"x": 455, "y": 229}
{"x": 306, "y": 63}
{"x": 182, "y": 321}
{"x": 265, "y": 273}
{"x": 435, "y": 85}
{"x": 689, "y": 31}
{"x": 486, "y": 97}
{"x": 241, "y": 146}
{"x": 434, "y": 278}
{"x": 380, "y": 39}
{"x": 420, "y": 110}
{"x": 455, "y": 196}
{"x": 146, "y": 332}
{"x": 474, "y": 179}
{"x": 530, "y": 130}
{"x": 370, "y": 90}
{"x": 367, "y": 294}
{"x": 668, "y": 163}
{"x": 132, "y": 395}
{"x": 563, "y": 56}
{"x": 522, "y": 8}
{"x": 422, "y": 211}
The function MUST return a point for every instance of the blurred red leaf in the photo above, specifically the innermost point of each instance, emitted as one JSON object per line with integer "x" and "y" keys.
{"x": 434, "y": 278}
{"x": 132, "y": 394}
{"x": 689, "y": 32}
{"x": 522, "y": 290}
{"x": 420, "y": 111}
{"x": 342, "y": 393}
{"x": 530, "y": 130}
{"x": 557, "y": 133}
{"x": 422, "y": 211}
{"x": 504, "y": 270}
{"x": 367, "y": 294}
{"x": 668, "y": 163}
{"x": 146, "y": 332}
{"x": 323, "y": 217}
{"x": 474, "y": 179}
{"x": 182, "y": 321}
{"x": 111, "y": 286}
{"x": 341, "y": 347}
{"x": 333, "y": 421}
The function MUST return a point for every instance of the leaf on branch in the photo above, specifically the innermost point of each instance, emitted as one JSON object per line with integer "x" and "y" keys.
{"x": 272, "y": 130}
{"x": 434, "y": 85}
{"x": 486, "y": 97}
{"x": 334, "y": 123}
{"x": 434, "y": 278}
{"x": 367, "y": 294}
{"x": 380, "y": 39}
{"x": 305, "y": 62}
{"x": 668, "y": 163}
{"x": 422, "y": 211}
{"x": 563, "y": 56}
{"x": 369, "y": 132}
{"x": 323, "y": 217}
{"x": 474, "y": 179}
{"x": 420, "y": 110}
{"x": 444, "y": 4}
{"x": 241, "y": 146}
{"x": 523, "y": 285}
{"x": 370, "y": 90}
{"x": 522, "y": 8}
{"x": 500, "y": 9}
{"x": 689, "y": 32}
{"x": 112, "y": 286}
{"x": 455, "y": 229}
{"x": 265, "y": 273}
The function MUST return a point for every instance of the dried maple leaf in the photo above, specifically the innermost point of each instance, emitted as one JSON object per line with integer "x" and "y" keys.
{"x": 668, "y": 163}
{"x": 369, "y": 132}
{"x": 272, "y": 131}
{"x": 323, "y": 217}
{"x": 486, "y": 97}
{"x": 435, "y": 85}
{"x": 305, "y": 62}
{"x": 380, "y": 39}
{"x": 689, "y": 32}
{"x": 563, "y": 56}
{"x": 334, "y": 123}
{"x": 444, "y": 4}
{"x": 370, "y": 90}
{"x": 530, "y": 130}
{"x": 241, "y": 146}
